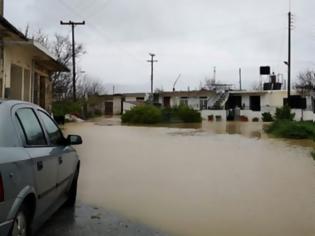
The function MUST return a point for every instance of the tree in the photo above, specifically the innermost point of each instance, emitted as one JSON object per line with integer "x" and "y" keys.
{"x": 89, "y": 87}
{"x": 306, "y": 80}
{"x": 61, "y": 48}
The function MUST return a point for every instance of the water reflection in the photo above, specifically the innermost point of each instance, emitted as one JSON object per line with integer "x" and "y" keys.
{"x": 190, "y": 180}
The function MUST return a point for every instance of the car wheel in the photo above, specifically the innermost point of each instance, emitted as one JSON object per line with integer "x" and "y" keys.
{"x": 21, "y": 224}
{"x": 72, "y": 194}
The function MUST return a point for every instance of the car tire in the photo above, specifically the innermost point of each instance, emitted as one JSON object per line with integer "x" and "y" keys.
{"x": 72, "y": 194}
{"x": 22, "y": 223}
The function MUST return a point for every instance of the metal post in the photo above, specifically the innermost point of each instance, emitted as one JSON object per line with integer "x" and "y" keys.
{"x": 152, "y": 61}
{"x": 289, "y": 55}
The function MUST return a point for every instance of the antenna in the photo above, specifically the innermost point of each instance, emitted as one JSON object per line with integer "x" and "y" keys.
{"x": 178, "y": 77}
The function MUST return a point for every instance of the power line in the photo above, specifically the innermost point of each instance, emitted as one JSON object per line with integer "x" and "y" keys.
{"x": 73, "y": 24}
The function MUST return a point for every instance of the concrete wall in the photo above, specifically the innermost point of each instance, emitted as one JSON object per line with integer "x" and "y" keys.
{"x": 251, "y": 114}
{"x": 16, "y": 56}
{"x": 127, "y": 106}
{"x": 273, "y": 99}
{"x": 194, "y": 102}
{"x": 117, "y": 105}
{"x": 206, "y": 113}
{"x": 307, "y": 115}
{"x": 130, "y": 99}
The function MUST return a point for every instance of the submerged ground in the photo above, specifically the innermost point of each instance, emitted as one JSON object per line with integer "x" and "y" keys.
{"x": 198, "y": 182}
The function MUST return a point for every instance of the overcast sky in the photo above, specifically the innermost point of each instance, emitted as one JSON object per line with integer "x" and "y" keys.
{"x": 188, "y": 36}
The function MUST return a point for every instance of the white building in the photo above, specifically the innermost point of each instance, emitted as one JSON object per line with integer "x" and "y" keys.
{"x": 25, "y": 67}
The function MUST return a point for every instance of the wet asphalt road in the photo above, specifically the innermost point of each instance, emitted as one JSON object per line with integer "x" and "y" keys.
{"x": 91, "y": 221}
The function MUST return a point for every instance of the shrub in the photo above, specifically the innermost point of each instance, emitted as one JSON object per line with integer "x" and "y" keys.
{"x": 284, "y": 113}
{"x": 142, "y": 114}
{"x": 255, "y": 119}
{"x": 188, "y": 115}
{"x": 267, "y": 117}
{"x": 149, "y": 114}
{"x": 66, "y": 107}
{"x": 292, "y": 129}
{"x": 169, "y": 115}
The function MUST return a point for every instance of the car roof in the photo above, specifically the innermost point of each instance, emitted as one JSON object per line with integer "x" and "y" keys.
{"x": 10, "y": 103}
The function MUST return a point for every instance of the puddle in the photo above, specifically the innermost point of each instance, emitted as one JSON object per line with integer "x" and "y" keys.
{"x": 200, "y": 182}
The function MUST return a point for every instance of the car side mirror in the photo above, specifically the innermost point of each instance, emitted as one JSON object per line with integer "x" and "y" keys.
{"x": 74, "y": 140}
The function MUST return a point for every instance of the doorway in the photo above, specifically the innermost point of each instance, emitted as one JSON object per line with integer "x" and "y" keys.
{"x": 167, "y": 102}
{"x": 109, "y": 108}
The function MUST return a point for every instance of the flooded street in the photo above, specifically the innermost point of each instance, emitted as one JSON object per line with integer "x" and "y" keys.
{"x": 199, "y": 182}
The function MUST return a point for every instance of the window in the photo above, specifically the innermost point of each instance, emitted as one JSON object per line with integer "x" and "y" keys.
{"x": 203, "y": 103}
{"x": 184, "y": 101}
{"x": 32, "y": 129}
{"x": 54, "y": 134}
{"x": 140, "y": 99}
{"x": 254, "y": 103}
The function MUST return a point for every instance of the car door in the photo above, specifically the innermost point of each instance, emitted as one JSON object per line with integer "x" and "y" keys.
{"x": 45, "y": 163}
{"x": 67, "y": 157}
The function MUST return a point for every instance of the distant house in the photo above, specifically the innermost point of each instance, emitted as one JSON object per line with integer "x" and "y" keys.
{"x": 25, "y": 67}
{"x": 115, "y": 104}
{"x": 195, "y": 99}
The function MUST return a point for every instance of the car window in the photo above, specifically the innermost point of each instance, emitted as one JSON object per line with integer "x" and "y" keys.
{"x": 32, "y": 129}
{"x": 52, "y": 129}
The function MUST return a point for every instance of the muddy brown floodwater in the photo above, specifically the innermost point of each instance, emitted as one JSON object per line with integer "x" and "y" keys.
{"x": 199, "y": 182}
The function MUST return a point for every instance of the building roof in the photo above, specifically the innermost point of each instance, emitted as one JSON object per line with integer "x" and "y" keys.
{"x": 45, "y": 59}
{"x": 194, "y": 93}
{"x": 257, "y": 92}
{"x": 42, "y": 57}
{"x": 134, "y": 94}
{"x": 7, "y": 30}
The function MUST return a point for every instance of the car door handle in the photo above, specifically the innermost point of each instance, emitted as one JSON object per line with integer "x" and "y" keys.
{"x": 60, "y": 160}
{"x": 40, "y": 165}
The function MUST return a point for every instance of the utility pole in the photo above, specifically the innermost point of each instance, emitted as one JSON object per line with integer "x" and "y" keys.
{"x": 214, "y": 74}
{"x": 73, "y": 24}
{"x": 1, "y": 7}
{"x": 289, "y": 55}
{"x": 240, "y": 76}
{"x": 152, "y": 61}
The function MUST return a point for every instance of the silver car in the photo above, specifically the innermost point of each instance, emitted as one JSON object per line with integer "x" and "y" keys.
{"x": 38, "y": 168}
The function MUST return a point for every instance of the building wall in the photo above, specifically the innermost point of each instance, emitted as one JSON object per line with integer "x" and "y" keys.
{"x": 251, "y": 114}
{"x": 206, "y": 113}
{"x": 194, "y": 102}
{"x": 273, "y": 99}
{"x": 130, "y": 99}
{"x": 127, "y": 106}
{"x": 18, "y": 59}
{"x": 117, "y": 105}
{"x": 18, "y": 56}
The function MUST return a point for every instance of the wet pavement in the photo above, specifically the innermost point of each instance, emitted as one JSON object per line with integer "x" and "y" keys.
{"x": 85, "y": 220}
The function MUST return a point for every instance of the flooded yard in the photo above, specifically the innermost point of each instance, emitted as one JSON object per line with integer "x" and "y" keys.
{"x": 217, "y": 179}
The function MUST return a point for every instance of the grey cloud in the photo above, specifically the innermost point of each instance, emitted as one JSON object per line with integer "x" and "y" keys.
{"x": 188, "y": 36}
